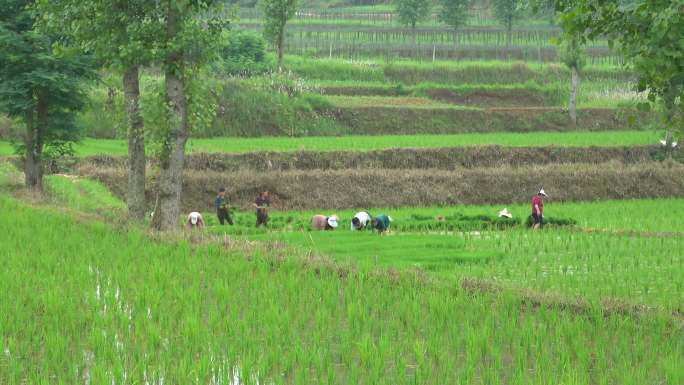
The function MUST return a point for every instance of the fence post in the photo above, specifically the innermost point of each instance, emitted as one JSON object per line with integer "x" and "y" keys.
{"x": 434, "y": 49}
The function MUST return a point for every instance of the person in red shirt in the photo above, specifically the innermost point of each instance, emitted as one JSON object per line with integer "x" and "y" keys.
{"x": 538, "y": 209}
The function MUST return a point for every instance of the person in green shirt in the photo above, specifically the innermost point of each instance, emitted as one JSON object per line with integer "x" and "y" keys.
{"x": 381, "y": 223}
{"x": 222, "y": 207}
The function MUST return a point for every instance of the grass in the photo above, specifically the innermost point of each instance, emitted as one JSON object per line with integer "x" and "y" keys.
{"x": 446, "y": 71}
{"x": 83, "y": 194}
{"x": 101, "y": 305}
{"x": 117, "y": 147}
{"x": 383, "y": 101}
{"x": 634, "y": 257}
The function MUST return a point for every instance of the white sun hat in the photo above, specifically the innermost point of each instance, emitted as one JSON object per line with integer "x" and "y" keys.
{"x": 194, "y": 217}
{"x": 505, "y": 213}
{"x": 542, "y": 192}
{"x": 332, "y": 221}
{"x": 390, "y": 218}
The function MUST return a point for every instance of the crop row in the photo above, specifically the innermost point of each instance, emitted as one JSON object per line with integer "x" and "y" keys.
{"x": 375, "y": 17}
{"x": 448, "y": 72}
{"x": 314, "y": 144}
{"x": 494, "y": 37}
{"x": 354, "y": 50}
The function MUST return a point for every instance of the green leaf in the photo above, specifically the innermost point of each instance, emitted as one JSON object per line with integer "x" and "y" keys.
{"x": 644, "y": 107}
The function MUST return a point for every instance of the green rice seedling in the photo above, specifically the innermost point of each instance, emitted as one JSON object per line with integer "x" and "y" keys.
{"x": 91, "y": 147}
{"x": 83, "y": 194}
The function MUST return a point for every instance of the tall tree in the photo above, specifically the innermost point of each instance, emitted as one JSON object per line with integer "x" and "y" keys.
{"x": 573, "y": 58}
{"x": 276, "y": 14}
{"x": 410, "y": 12}
{"x": 507, "y": 12}
{"x": 39, "y": 84}
{"x": 190, "y": 37}
{"x": 122, "y": 34}
{"x": 454, "y": 12}
{"x": 650, "y": 34}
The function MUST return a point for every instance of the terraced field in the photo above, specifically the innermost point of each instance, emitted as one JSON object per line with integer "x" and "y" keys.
{"x": 340, "y": 306}
{"x": 439, "y": 129}
{"x": 103, "y": 296}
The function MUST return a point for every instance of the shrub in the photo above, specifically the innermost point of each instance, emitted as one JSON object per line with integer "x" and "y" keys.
{"x": 244, "y": 54}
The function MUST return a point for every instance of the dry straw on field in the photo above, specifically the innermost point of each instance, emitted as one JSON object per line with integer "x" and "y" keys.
{"x": 337, "y": 189}
{"x": 396, "y": 120}
{"x": 439, "y": 158}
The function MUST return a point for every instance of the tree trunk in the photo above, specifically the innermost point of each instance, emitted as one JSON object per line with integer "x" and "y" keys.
{"x": 572, "y": 104}
{"x": 32, "y": 164}
{"x": 136, "y": 144}
{"x": 172, "y": 158}
{"x": 280, "y": 43}
{"x": 669, "y": 139}
{"x": 669, "y": 103}
{"x": 509, "y": 36}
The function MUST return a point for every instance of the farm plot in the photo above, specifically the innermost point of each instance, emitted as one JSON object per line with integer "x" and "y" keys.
{"x": 98, "y": 301}
{"x": 89, "y": 147}
{"x": 597, "y": 254}
{"x": 101, "y": 298}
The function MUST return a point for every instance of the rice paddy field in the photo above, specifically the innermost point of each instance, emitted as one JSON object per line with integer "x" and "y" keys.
{"x": 88, "y": 301}
{"x": 369, "y": 143}
{"x": 416, "y": 120}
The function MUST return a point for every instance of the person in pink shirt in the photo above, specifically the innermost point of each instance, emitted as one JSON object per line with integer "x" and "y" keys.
{"x": 538, "y": 209}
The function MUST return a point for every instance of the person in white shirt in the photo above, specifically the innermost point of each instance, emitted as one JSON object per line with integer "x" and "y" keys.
{"x": 360, "y": 220}
{"x": 194, "y": 220}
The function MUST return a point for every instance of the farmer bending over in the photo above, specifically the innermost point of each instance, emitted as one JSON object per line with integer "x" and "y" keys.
{"x": 360, "y": 220}
{"x": 381, "y": 223}
{"x": 261, "y": 204}
{"x": 222, "y": 207}
{"x": 321, "y": 222}
{"x": 538, "y": 209}
{"x": 194, "y": 221}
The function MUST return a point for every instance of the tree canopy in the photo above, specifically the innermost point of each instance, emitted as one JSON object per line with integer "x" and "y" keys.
{"x": 454, "y": 13}
{"x": 40, "y": 84}
{"x": 410, "y": 12}
{"x": 650, "y": 34}
{"x": 276, "y": 14}
{"x": 507, "y": 11}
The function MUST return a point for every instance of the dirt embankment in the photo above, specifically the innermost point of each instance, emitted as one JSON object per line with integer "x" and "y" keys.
{"x": 475, "y": 97}
{"x": 492, "y": 98}
{"x": 396, "y": 120}
{"x": 406, "y": 158}
{"x": 337, "y": 189}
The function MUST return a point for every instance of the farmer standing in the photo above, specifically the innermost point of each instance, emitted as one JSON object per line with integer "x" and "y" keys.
{"x": 194, "y": 221}
{"x": 321, "y": 222}
{"x": 360, "y": 220}
{"x": 381, "y": 223}
{"x": 222, "y": 207}
{"x": 538, "y": 209}
{"x": 262, "y": 202}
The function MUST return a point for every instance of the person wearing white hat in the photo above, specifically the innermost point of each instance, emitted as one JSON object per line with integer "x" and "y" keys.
{"x": 360, "y": 220}
{"x": 538, "y": 209}
{"x": 505, "y": 213}
{"x": 194, "y": 220}
{"x": 321, "y": 222}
